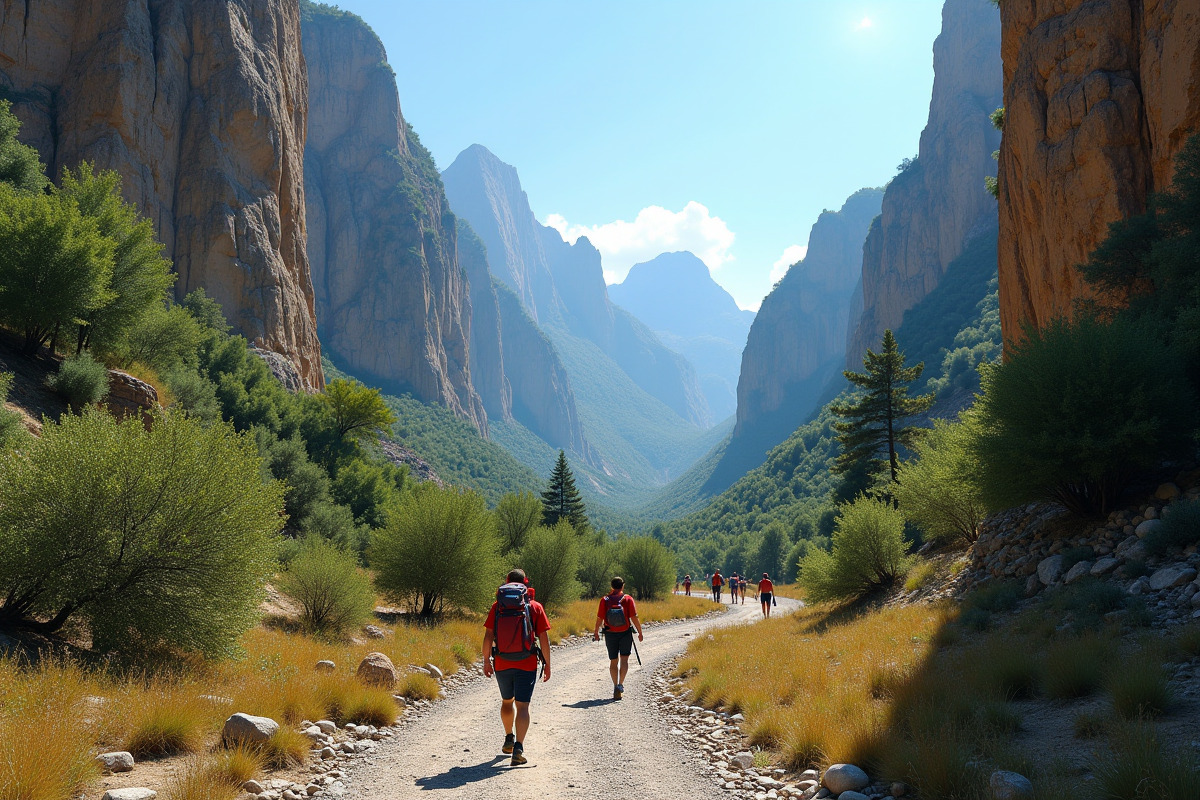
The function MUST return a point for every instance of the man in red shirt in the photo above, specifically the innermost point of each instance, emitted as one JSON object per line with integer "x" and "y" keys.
{"x": 766, "y": 594}
{"x": 618, "y": 614}
{"x": 516, "y": 676}
{"x": 717, "y": 583}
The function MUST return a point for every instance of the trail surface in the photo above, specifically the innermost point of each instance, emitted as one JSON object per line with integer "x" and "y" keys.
{"x": 582, "y": 744}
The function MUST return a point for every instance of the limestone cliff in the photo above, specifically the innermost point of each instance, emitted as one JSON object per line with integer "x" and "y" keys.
{"x": 487, "y": 351}
{"x": 393, "y": 304}
{"x": 201, "y": 106}
{"x": 1099, "y": 98}
{"x": 938, "y": 203}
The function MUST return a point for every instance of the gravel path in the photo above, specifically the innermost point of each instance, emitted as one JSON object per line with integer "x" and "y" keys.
{"x": 581, "y": 744}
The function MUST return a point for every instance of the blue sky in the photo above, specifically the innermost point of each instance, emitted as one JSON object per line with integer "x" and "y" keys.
{"x": 720, "y": 127}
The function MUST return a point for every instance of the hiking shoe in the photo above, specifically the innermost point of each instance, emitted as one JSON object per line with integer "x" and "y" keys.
{"x": 618, "y": 691}
{"x": 509, "y": 741}
{"x": 518, "y": 755}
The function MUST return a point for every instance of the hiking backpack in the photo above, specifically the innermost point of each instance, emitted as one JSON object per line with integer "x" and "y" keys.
{"x": 515, "y": 639}
{"x": 614, "y": 613}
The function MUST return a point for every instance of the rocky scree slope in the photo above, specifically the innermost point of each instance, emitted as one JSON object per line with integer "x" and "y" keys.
{"x": 201, "y": 107}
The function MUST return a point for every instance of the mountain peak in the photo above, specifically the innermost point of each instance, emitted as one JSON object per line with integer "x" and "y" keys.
{"x": 680, "y": 275}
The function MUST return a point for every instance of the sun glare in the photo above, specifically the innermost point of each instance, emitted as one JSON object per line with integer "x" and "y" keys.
{"x": 863, "y": 24}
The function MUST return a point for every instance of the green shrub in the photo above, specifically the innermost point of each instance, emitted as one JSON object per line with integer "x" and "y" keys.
{"x": 12, "y": 425}
{"x": 939, "y": 488}
{"x": 868, "y": 551}
{"x": 1180, "y": 528}
{"x": 516, "y": 515}
{"x": 1138, "y": 687}
{"x": 647, "y": 567}
{"x": 597, "y": 564}
{"x": 81, "y": 380}
{"x": 1088, "y": 601}
{"x": 334, "y": 596}
{"x": 1075, "y": 412}
{"x": 550, "y": 559}
{"x": 1074, "y": 667}
{"x": 1141, "y": 767}
{"x": 150, "y": 537}
{"x": 439, "y": 549}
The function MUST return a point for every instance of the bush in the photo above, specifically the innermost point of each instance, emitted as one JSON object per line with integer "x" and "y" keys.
{"x": 334, "y": 596}
{"x": 648, "y": 567}
{"x": 868, "y": 552}
{"x": 1138, "y": 687}
{"x": 12, "y": 425}
{"x": 939, "y": 488}
{"x": 1180, "y": 528}
{"x": 597, "y": 565}
{"x": 81, "y": 380}
{"x": 516, "y": 516}
{"x": 151, "y": 538}
{"x": 439, "y": 547}
{"x": 1075, "y": 412}
{"x": 550, "y": 559}
{"x": 1074, "y": 667}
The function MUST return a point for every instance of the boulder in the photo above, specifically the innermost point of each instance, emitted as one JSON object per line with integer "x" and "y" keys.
{"x": 248, "y": 728}
{"x": 130, "y": 397}
{"x": 1050, "y": 569}
{"x": 1147, "y": 527}
{"x": 841, "y": 778}
{"x": 1005, "y": 785}
{"x": 325, "y": 666}
{"x": 1167, "y": 491}
{"x": 853, "y": 796}
{"x": 377, "y": 669}
{"x": 1172, "y": 576}
{"x": 1104, "y": 565}
{"x": 253, "y": 787}
{"x": 115, "y": 762}
{"x": 1078, "y": 571}
{"x": 135, "y": 793}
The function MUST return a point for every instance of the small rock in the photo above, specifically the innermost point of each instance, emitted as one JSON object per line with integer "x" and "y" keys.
{"x": 1050, "y": 569}
{"x": 325, "y": 665}
{"x": 1148, "y": 527}
{"x": 327, "y": 753}
{"x": 1010, "y": 786}
{"x": 1167, "y": 491}
{"x": 288, "y": 794}
{"x": 841, "y": 778}
{"x": 434, "y": 671}
{"x": 1169, "y": 577}
{"x": 377, "y": 669}
{"x": 1078, "y": 571}
{"x": 130, "y": 794}
{"x": 248, "y": 728}
{"x": 326, "y": 726}
{"x": 312, "y": 789}
{"x": 899, "y": 789}
{"x": 852, "y": 795}
{"x": 1105, "y": 565}
{"x": 253, "y": 787}
{"x": 116, "y": 762}
{"x": 1140, "y": 586}
{"x": 374, "y": 632}
{"x": 742, "y": 761}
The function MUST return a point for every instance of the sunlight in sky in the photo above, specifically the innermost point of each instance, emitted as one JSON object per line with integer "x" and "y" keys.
{"x": 863, "y": 24}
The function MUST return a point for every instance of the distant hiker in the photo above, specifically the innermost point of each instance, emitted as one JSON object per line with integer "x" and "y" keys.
{"x": 766, "y": 594}
{"x": 745, "y": 583}
{"x": 717, "y": 583}
{"x": 687, "y": 585}
{"x": 733, "y": 587}
{"x": 513, "y": 643}
{"x": 618, "y": 615}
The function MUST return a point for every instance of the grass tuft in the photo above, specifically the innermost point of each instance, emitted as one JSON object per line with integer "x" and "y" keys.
{"x": 369, "y": 706}
{"x": 198, "y": 781}
{"x": 418, "y": 686}
{"x": 1138, "y": 687}
{"x": 166, "y": 725}
{"x": 286, "y": 748}
{"x": 236, "y": 765}
{"x": 1141, "y": 768}
{"x": 1074, "y": 667}
{"x": 922, "y": 573}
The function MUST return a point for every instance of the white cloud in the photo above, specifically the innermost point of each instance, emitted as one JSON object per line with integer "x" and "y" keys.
{"x": 654, "y": 231}
{"x": 791, "y": 254}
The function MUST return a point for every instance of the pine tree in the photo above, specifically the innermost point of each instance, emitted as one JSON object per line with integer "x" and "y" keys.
{"x": 874, "y": 425}
{"x": 561, "y": 499}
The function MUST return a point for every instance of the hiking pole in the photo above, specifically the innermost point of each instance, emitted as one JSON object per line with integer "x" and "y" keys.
{"x": 635, "y": 650}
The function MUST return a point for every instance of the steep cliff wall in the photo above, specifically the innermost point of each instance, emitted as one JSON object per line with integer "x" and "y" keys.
{"x": 1099, "y": 98}
{"x": 201, "y": 106}
{"x": 392, "y": 302}
{"x": 487, "y": 352}
{"x": 933, "y": 208}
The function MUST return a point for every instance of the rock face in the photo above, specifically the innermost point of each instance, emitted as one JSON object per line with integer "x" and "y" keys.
{"x": 201, "y": 106}
{"x": 561, "y": 285}
{"x": 392, "y": 303}
{"x": 1099, "y": 98}
{"x": 935, "y": 206}
{"x": 798, "y": 341}
{"x": 676, "y": 297}
{"x": 129, "y": 396}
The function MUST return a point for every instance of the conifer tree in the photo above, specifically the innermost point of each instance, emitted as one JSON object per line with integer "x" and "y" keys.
{"x": 561, "y": 499}
{"x": 873, "y": 426}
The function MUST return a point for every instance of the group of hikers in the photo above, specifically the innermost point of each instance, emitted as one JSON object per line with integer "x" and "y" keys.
{"x": 764, "y": 590}
{"x": 515, "y": 642}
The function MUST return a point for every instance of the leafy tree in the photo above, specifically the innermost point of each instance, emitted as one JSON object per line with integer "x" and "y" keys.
{"x": 1076, "y": 411}
{"x": 561, "y": 499}
{"x": 735, "y": 557}
{"x": 81, "y": 380}
{"x": 939, "y": 488}
{"x": 19, "y": 163}
{"x": 159, "y": 537}
{"x": 55, "y": 266}
{"x": 648, "y": 567}
{"x": 867, "y": 552}
{"x": 516, "y": 515}
{"x": 597, "y": 564}
{"x": 140, "y": 274}
{"x": 771, "y": 550}
{"x": 358, "y": 411}
{"x": 307, "y": 485}
{"x": 334, "y": 596}
{"x": 550, "y": 559}
{"x": 365, "y": 489}
{"x": 336, "y": 524}
{"x": 162, "y": 338}
{"x": 439, "y": 548}
{"x": 874, "y": 424}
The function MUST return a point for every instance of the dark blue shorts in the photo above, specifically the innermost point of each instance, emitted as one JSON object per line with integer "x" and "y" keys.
{"x": 517, "y": 683}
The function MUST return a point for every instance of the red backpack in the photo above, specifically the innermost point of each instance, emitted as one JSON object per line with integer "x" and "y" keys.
{"x": 515, "y": 639}
{"x": 615, "y": 618}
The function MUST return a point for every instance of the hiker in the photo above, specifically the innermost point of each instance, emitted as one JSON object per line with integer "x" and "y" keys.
{"x": 618, "y": 614}
{"x": 687, "y": 585}
{"x": 742, "y": 584}
{"x": 766, "y": 594}
{"x": 733, "y": 587}
{"x": 513, "y": 642}
{"x": 717, "y": 583}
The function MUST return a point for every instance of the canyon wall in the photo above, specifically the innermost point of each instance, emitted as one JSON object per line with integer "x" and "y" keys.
{"x": 201, "y": 106}
{"x": 1099, "y": 98}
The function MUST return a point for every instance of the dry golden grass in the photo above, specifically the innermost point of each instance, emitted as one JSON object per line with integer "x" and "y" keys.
{"x": 200, "y": 781}
{"x": 580, "y": 617}
{"x": 793, "y": 591}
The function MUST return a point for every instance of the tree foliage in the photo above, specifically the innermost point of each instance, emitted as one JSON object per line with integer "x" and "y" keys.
{"x": 334, "y": 596}
{"x": 517, "y": 514}
{"x": 771, "y": 550}
{"x": 561, "y": 499}
{"x": 159, "y": 537}
{"x": 597, "y": 564}
{"x": 939, "y": 488}
{"x": 358, "y": 410}
{"x": 20, "y": 166}
{"x": 439, "y": 549}
{"x": 81, "y": 380}
{"x": 868, "y": 552}
{"x": 550, "y": 558}
{"x": 648, "y": 567}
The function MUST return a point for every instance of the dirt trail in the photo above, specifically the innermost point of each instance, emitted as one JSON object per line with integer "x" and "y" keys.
{"x": 581, "y": 744}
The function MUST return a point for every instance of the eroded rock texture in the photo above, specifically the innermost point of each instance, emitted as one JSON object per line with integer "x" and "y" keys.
{"x": 933, "y": 208}
{"x": 1099, "y": 98}
{"x": 393, "y": 304}
{"x": 201, "y": 106}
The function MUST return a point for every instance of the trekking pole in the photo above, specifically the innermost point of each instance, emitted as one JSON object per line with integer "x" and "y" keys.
{"x": 635, "y": 651}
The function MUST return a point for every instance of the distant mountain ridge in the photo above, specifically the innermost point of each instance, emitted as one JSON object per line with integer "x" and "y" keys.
{"x": 675, "y": 295}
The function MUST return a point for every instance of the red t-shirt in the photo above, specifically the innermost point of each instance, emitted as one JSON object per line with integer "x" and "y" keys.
{"x": 541, "y": 624}
{"x": 718, "y": 580}
{"x": 765, "y": 585}
{"x": 626, "y": 603}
